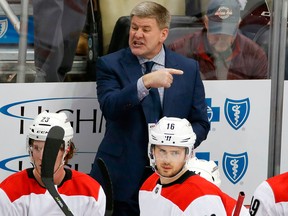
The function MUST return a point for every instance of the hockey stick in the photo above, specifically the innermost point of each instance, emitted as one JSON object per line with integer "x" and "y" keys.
{"x": 52, "y": 145}
{"x": 107, "y": 185}
{"x": 239, "y": 203}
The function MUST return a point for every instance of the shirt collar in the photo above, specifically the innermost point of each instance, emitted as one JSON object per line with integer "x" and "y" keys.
{"x": 158, "y": 59}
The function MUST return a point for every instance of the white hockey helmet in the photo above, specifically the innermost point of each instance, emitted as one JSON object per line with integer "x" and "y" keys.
{"x": 206, "y": 169}
{"x": 41, "y": 125}
{"x": 171, "y": 131}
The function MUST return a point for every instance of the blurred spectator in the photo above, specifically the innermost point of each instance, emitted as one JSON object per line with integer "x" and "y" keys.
{"x": 57, "y": 27}
{"x": 221, "y": 50}
{"x": 254, "y": 16}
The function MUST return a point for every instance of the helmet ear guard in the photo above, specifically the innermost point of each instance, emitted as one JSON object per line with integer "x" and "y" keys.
{"x": 29, "y": 145}
{"x": 151, "y": 155}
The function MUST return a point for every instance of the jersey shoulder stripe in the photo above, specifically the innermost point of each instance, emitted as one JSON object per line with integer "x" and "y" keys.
{"x": 279, "y": 187}
{"x": 80, "y": 184}
{"x": 192, "y": 188}
{"x": 21, "y": 184}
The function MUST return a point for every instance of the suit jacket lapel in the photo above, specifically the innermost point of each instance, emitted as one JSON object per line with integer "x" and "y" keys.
{"x": 132, "y": 69}
{"x": 131, "y": 66}
{"x": 168, "y": 92}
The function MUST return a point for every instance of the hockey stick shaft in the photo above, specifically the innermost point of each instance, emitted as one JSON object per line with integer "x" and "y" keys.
{"x": 107, "y": 185}
{"x": 239, "y": 203}
{"x": 52, "y": 145}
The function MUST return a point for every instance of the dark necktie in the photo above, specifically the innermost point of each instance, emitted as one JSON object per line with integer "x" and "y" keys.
{"x": 156, "y": 112}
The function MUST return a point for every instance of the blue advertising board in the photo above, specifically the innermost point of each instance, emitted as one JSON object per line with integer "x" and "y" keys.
{"x": 8, "y": 35}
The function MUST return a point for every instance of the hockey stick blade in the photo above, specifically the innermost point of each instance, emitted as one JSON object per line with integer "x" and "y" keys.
{"x": 108, "y": 186}
{"x": 52, "y": 145}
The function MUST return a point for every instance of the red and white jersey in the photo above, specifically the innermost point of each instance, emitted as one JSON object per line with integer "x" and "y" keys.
{"x": 20, "y": 194}
{"x": 271, "y": 197}
{"x": 189, "y": 195}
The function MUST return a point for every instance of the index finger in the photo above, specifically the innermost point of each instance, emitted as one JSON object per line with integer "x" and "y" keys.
{"x": 174, "y": 71}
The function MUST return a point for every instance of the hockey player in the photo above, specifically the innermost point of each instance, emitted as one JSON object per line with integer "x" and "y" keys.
{"x": 271, "y": 197}
{"x": 24, "y": 193}
{"x": 173, "y": 189}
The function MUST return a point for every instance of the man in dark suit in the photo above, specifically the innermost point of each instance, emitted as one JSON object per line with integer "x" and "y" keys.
{"x": 126, "y": 95}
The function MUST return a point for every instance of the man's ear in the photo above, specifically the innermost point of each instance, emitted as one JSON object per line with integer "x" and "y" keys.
{"x": 205, "y": 21}
{"x": 164, "y": 34}
{"x": 68, "y": 149}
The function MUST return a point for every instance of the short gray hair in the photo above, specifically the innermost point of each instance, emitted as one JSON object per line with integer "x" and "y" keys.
{"x": 149, "y": 9}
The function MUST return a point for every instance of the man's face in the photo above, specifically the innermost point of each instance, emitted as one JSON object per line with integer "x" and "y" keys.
{"x": 220, "y": 42}
{"x": 169, "y": 159}
{"x": 145, "y": 37}
{"x": 37, "y": 153}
